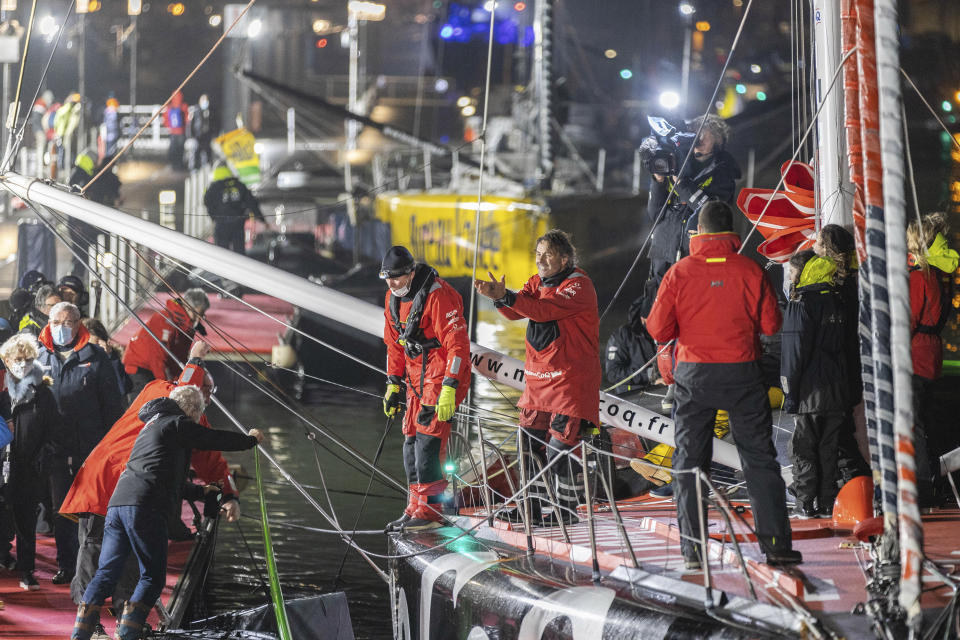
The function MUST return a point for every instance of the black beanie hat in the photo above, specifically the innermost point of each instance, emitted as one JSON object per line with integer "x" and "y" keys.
{"x": 398, "y": 261}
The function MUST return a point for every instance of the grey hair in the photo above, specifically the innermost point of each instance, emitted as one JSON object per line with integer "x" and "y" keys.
{"x": 715, "y": 125}
{"x": 43, "y": 293}
{"x": 19, "y": 344}
{"x": 189, "y": 399}
{"x": 69, "y": 307}
{"x": 196, "y": 299}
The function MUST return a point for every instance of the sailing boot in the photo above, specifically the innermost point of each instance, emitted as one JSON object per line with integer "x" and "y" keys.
{"x": 130, "y": 626}
{"x": 397, "y": 525}
{"x": 428, "y": 515}
{"x": 88, "y": 619}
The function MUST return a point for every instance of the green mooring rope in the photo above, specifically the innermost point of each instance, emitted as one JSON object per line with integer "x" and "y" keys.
{"x": 283, "y": 627}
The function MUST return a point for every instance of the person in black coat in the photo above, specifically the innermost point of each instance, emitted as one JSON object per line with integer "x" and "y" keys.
{"x": 710, "y": 174}
{"x": 154, "y": 480}
{"x": 228, "y": 202}
{"x": 814, "y": 380}
{"x": 88, "y": 396}
{"x": 37, "y": 426}
{"x": 837, "y": 243}
{"x": 629, "y": 348}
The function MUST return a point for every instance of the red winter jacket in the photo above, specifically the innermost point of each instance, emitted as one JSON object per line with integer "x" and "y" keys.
{"x": 925, "y": 306}
{"x": 145, "y": 353}
{"x": 562, "y": 368}
{"x": 715, "y": 303}
{"x": 442, "y": 320}
{"x": 97, "y": 478}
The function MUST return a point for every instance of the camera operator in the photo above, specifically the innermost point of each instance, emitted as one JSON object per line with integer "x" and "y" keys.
{"x": 710, "y": 174}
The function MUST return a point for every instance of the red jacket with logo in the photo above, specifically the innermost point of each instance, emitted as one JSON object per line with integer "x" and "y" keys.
{"x": 715, "y": 303}
{"x": 442, "y": 320}
{"x": 97, "y": 478}
{"x": 925, "y": 306}
{"x": 562, "y": 368}
{"x": 169, "y": 326}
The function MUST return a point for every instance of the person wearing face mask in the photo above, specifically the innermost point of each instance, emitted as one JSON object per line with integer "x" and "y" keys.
{"x": 96, "y": 479}
{"x": 428, "y": 350}
{"x": 85, "y": 386}
{"x": 560, "y": 402}
{"x": 37, "y": 432}
{"x": 145, "y": 359}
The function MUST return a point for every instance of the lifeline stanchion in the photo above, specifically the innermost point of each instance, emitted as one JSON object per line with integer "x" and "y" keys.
{"x": 552, "y": 497}
{"x": 616, "y": 514}
{"x": 590, "y": 526}
{"x": 485, "y": 491}
{"x": 525, "y": 498}
{"x": 276, "y": 594}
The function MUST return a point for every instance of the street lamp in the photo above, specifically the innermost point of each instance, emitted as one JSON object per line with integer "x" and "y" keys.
{"x": 134, "y": 7}
{"x": 686, "y": 10}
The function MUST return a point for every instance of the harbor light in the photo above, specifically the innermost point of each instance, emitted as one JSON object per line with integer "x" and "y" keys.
{"x": 47, "y": 26}
{"x": 468, "y": 110}
{"x": 761, "y": 96}
{"x": 83, "y": 6}
{"x": 626, "y": 74}
{"x": 946, "y": 106}
{"x": 369, "y": 11}
{"x": 463, "y": 101}
{"x": 254, "y": 28}
{"x": 441, "y": 85}
{"x": 321, "y": 26}
{"x": 215, "y": 20}
{"x": 741, "y": 88}
{"x": 755, "y": 68}
{"x": 669, "y": 99}
{"x": 167, "y": 197}
{"x": 8, "y": 5}
{"x": 687, "y": 9}
{"x": 134, "y": 7}
{"x": 610, "y": 53}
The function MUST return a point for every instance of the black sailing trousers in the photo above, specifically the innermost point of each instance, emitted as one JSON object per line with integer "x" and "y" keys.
{"x": 702, "y": 389}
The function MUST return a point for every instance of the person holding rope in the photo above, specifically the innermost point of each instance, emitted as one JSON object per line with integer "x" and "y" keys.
{"x": 560, "y": 401}
{"x": 714, "y": 303}
{"x": 428, "y": 350}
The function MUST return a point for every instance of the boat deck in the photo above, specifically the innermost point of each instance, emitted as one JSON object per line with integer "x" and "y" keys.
{"x": 234, "y": 330}
{"x": 830, "y": 581}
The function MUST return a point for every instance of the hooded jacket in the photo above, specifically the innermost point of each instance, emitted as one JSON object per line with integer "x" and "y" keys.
{"x": 156, "y": 472}
{"x": 813, "y": 364}
{"x": 35, "y": 421}
{"x": 930, "y": 296}
{"x": 86, "y": 389}
{"x": 715, "y": 303}
{"x": 97, "y": 478}
{"x": 700, "y": 182}
{"x": 562, "y": 370}
{"x": 629, "y": 348}
{"x": 173, "y": 327}
{"x": 443, "y": 326}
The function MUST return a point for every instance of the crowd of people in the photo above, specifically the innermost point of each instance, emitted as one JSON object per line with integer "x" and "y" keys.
{"x": 709, "y": 324}
{"x": 78, "y": 407}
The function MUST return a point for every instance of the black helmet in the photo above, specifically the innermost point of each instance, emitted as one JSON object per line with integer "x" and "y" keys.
{"x": 74, "y": 283}
{"x": 398, "y": 261}
{"x": 33, "y": 280}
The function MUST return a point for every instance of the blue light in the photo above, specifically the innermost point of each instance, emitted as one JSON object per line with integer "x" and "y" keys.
{"x": 446, "y": 32}
{"x": 741, "y": 88}
{"x": 626, "y": 74}
{"x": 761, "y": 96}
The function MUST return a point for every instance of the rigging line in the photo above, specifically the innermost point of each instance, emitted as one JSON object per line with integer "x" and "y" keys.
{"x": 913, "y": 178}
{"x": 133, "y": 139}
{"x": 23, "y": 64}
{"x": 641, "y": 369}
{"x": 483, "y": 155}
{"x": 933, "y": 112}
{"x": 686, "y": 159}
{"x": 793, "y": 158}
{"x": 216, "y": 401}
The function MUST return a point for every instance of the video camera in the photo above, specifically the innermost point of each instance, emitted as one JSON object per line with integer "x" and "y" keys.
{"x": 660, "y": 151}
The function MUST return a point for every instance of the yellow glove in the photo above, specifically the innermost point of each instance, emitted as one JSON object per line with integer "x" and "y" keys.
{"x": 391, "y": 400}
{"x": 446, "y": 403}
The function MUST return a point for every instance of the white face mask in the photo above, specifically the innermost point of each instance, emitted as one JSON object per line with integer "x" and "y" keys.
{"x": 19, "y": 369}
{"x": 401, "y": 291}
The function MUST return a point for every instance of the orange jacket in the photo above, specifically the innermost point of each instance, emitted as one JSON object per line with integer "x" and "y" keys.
{"x": 715, "y": 303}
{"x": 169, "y": 326}
{"x": 562, "y": 367}
{"x": 442, "y": 320}
{"x": 97, "y": 478}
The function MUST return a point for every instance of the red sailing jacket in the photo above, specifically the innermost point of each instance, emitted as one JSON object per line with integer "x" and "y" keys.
{"x": 562, "y": 368}
{"x": 169, "y": 325}
{"x": 715, "y": 302}
{"x": 442, "y": 320}
{"x": 97, "y": 478}
{"x": 925, "y": 307}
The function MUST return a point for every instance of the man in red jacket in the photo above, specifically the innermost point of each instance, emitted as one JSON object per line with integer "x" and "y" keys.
{"x": 428, "y": 349}
{"x": 715, "y": 303}
{"x": 145, "y": 359}
{"x": 97, "y": 478}
{"x": 560, "y": 402}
